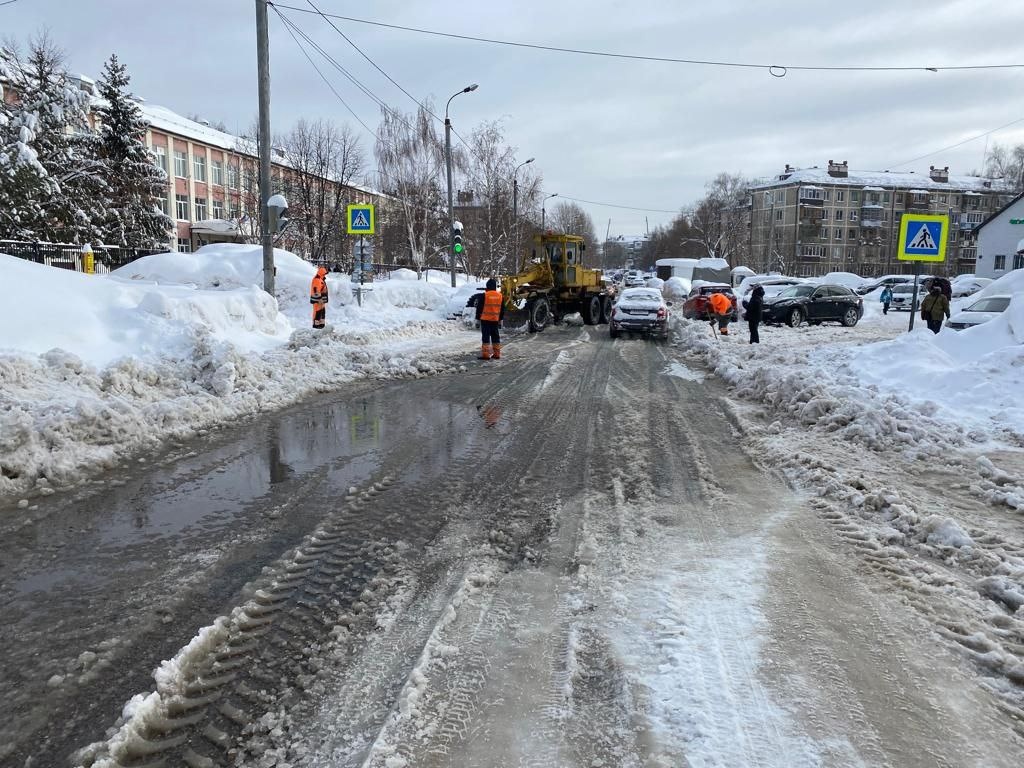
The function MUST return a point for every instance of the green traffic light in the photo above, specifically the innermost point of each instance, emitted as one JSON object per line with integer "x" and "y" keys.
{"x": 458, "y": 247}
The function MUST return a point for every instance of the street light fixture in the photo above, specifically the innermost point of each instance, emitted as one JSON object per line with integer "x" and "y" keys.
{"x": 543, "y": 212}
{"x": 448, "y": 162}
{"x": 515, "y": 205}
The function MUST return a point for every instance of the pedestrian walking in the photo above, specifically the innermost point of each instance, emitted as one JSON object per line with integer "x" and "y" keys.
{"x": 934, "y": 308}
{"x": 755, "y": 305}
{"x": 720, "y": 311}
{"x": 886, "y": 299}
{"x": 318, "y": 297}
{"x": 490, "y": 311}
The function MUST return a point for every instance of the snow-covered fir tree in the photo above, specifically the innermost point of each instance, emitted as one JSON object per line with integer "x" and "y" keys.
{"x": 133, "y": 216}
{"x": 52, "y": 142}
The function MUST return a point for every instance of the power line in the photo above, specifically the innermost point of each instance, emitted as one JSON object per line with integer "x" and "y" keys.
{"x": 960, "y": 143}
{"x": 777, "y": 70}
{"x": 294, "y": 28}
{"x": 7, "y": 2}
{"x": 615, "y": 205}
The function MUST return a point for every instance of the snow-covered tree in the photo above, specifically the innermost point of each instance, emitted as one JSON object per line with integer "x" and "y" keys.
{"x": 132, "y": 216}
{"x": 53, "y": 143}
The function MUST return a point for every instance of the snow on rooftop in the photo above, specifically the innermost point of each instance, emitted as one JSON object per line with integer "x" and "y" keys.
{"x": 883, "y": 180}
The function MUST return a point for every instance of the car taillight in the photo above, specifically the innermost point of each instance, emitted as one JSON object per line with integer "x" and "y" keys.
{"x": 661, "y": 313}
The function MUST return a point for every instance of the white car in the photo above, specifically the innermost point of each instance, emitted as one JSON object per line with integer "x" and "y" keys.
{"x": 633, "y": 279}
{"x": 969, "y": 287}
{"x": 903, "y": 294}
{"x": 979, "y": 312}
{"x": 640, "y": 310}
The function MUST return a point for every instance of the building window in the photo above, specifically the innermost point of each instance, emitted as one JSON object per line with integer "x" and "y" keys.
{"x": 1018, "y": 261}
{"x": 823, "y": 233}
{"x": 778, "y": 215}
{"x": 942, "y": 198}
{"x": 180, "y": 164}
{"x": 233, "y": 176}
{"x": 827, "y": 194}
{"x": 163, "y": 204}
{"x": 1000, "y": 262}
{"x": 766, "y": 216}
{"x": 160, "y": 153}
{"x": 837, "y": 234}
{"x": 813, "y": 251}
{"x": 218, "y": 209}
{"x": 855, "y": 195}
{"x": 851, "y": 234}
{"x": 200, "y": 209}
{"x": 181, "y": 207}
{"x": 184, "y": 246}
{"x": 810, "y": 194}
{"x": 780, "y": 196}
{"x": 199, "y": 161}
{"x": 853, "y": 216}
{"x": 839, "y": 214}
{"x": 885, "y": 197}
{"x": 840, "y": 195}
{"x": 217, "y": 173}
{"x": 954, "y": 200}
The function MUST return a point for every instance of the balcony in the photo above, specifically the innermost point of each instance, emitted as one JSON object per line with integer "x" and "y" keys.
{"x": 969, "y": 226}
{"x": 870, "y": 223}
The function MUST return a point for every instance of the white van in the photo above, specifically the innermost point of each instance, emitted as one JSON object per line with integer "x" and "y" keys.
{"x": 688, "y": 270}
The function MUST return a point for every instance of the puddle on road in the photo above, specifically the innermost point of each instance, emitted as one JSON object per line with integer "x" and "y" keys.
{"x": 208, "y": 495}
{"x": 680, "y": 371}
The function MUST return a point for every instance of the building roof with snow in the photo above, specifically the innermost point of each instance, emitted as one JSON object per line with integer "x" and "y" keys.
{"x": 882, "y": 179}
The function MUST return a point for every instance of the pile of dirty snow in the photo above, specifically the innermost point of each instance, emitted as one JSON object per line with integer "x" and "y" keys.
{"x": 175, "y": 343}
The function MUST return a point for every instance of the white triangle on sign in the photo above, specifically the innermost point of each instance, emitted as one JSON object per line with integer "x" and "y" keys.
{"x": 359, "y": 221}
{"x": 923, "y": 240}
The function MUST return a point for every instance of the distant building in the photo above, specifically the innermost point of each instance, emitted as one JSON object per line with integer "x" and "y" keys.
{"x": 1001, "y": 241}
{"x": 811, "y": 221}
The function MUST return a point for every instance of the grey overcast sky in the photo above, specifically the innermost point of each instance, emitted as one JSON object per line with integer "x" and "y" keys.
{"x": 641, "y": 134}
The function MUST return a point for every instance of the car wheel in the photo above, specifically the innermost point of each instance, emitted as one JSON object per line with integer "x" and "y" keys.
{"x": 590, "y": 309}
{"x": 849, "y": 318}
{"x": 606, "y": 309}
{"x": 795, "y": 318}
{"x": 539, "y": 313}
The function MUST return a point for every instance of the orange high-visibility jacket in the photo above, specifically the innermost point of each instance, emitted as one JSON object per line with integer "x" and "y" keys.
{"x": 720, "y": 304}
{"x": 491, "y": 312}
{"x": 318, "y": 289}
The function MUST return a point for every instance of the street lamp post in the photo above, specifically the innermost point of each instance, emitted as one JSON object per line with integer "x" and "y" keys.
{"x": 515, "y": 206}
{"x": 543, "y": 213}
{"x": 448, "y": 162}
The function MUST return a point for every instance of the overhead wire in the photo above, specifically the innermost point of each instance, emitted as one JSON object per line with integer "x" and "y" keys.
{"x": 777, "y": 70}
{"x": 293, "y": 28}
{"x": 960, "y": 143}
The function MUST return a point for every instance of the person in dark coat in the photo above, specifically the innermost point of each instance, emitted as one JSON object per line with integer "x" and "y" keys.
{"x": 755, "y": 304}
{"x": 935, "y": 308}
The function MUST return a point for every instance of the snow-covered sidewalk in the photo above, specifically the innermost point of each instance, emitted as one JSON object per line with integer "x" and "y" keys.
{"x": 94, "y": 369}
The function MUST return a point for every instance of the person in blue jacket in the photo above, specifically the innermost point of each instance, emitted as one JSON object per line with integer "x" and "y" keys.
{"x": 886, "y": 299}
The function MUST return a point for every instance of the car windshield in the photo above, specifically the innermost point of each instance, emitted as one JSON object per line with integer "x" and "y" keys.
{"x": 907, "y": 288}
{"x": 797, "y": 290}
{"x": 993, "y": 304}
{"x": 641, "y": 296}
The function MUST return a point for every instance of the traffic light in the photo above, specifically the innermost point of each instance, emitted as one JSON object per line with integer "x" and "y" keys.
{"x": 457, "y": 246}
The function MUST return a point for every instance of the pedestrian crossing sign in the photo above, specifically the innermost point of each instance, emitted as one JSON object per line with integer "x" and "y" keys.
{"x": 923, "y": 237}
{"x": 360, "y": 220}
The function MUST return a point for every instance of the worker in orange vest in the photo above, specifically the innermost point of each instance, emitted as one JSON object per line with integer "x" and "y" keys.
{"x": 489, "y": 311}
{"x": 720, "y": 311}
{"x": 318, "y": 297}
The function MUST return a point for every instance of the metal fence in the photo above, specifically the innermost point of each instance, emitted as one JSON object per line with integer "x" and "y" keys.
{"x": 69, "y": 256}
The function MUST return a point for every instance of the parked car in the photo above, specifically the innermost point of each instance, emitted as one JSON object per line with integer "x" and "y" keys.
{"x": 903, "y": 295}
{"x": 634, "y": 278}
{"x": 979, "y": 312}
{"x": 970, "y": 286}
{"x": 696, "y": 305}
{"x": 773, "y": 286}
{"x": 814, "y": 304}
{"x": 640, "y": 310}
{"x": 889, "y": 280}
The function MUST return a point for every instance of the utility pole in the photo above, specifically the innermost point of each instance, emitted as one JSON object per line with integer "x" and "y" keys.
{"x": 263, "y": 141}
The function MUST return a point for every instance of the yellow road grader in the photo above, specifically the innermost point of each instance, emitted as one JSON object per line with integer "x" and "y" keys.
{"x": 553, "y": 283}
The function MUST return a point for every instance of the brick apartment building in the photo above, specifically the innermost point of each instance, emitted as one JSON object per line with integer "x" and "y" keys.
{"x": 811, "y": 221}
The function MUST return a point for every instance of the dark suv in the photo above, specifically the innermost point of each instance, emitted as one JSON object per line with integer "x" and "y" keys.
{"x": 814, "y": 304}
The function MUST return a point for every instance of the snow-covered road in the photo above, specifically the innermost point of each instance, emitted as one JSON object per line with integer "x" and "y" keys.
{"x": 593, "y": 553}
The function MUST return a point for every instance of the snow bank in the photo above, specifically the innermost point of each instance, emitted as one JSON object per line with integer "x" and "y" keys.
{"x": 175, "y": 343}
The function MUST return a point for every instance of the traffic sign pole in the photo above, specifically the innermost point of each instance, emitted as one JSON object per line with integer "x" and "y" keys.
{"x": 913, "y": 300}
